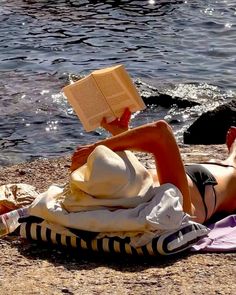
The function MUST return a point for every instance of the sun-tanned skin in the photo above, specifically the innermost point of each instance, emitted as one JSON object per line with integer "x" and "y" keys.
{"x": 157, "y": 138}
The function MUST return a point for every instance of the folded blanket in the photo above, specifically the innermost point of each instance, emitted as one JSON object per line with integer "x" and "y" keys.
{"x": 162, "y": 213}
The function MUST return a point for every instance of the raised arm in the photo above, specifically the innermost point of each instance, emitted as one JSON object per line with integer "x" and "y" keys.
{"x": 156, "y": 138}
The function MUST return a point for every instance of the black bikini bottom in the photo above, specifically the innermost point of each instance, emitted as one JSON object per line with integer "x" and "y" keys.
{"x": 202, "y": 177}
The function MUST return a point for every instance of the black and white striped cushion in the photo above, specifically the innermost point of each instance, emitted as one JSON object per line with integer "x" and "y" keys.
{"x": 166, "y": 244}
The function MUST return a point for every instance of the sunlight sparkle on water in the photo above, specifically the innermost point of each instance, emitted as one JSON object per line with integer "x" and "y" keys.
{"x": 209, "y": 11}
{"x": 51, "y": 126}
{"x": 44, "y": 92}
{"x": 152, "y": 2}
{"x": 228, "y": 25}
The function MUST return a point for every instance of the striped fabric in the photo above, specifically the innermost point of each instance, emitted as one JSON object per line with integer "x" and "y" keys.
{"x": 166, "y": 244}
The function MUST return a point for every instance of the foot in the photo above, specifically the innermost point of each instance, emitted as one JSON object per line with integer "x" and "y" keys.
{"x": 231, "y": 145}
{"x": 230, "y": 136}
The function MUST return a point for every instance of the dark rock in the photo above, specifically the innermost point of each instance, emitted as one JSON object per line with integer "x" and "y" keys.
{"x": 166, "y": 100}
{"x": 211, "y": 127}
{"x": 153, "y": 96}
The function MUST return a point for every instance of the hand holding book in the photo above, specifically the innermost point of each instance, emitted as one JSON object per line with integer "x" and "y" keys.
{"x": 104, "y": 93}
{"x": 119, "y": 125}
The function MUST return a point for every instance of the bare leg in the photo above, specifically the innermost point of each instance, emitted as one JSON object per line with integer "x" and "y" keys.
{"x": 231, "y": 145}
{"x": 156, "y": 138}
{"x": 231, "y": 160}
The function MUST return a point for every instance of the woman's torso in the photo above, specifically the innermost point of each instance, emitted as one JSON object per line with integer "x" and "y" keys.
{"x": 218, "y": 197}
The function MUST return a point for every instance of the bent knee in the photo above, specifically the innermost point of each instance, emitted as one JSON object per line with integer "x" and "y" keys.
{"x": 161, "y": 124}
{"x": 158, "y": 133}
{"x": 162, "y": 127}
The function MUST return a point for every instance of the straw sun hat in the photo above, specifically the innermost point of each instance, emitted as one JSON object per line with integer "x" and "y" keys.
{"x": 109, "y": 179}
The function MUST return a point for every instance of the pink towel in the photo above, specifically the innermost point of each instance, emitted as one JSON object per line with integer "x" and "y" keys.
{"x": 221, "y": 238}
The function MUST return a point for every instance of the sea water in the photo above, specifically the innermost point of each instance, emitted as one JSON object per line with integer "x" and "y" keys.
{"x": 184, "y": 48}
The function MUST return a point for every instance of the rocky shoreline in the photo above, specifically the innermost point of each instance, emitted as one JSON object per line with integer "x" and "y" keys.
{"x": 32, "y": 268}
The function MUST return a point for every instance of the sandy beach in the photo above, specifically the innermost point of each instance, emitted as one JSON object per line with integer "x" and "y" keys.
{"x": 32, "y": 268}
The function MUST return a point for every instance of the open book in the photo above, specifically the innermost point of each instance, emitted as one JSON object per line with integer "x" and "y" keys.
{"x": 103, "y": 93}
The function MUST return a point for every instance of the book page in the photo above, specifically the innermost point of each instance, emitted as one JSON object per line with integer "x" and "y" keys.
{"x": 88, "y": 102}
{"x": 118, "y": 89}
{"x": 124, "y": 78}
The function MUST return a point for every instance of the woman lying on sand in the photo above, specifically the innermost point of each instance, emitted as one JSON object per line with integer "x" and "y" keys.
{"x": 207, "y": 188}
